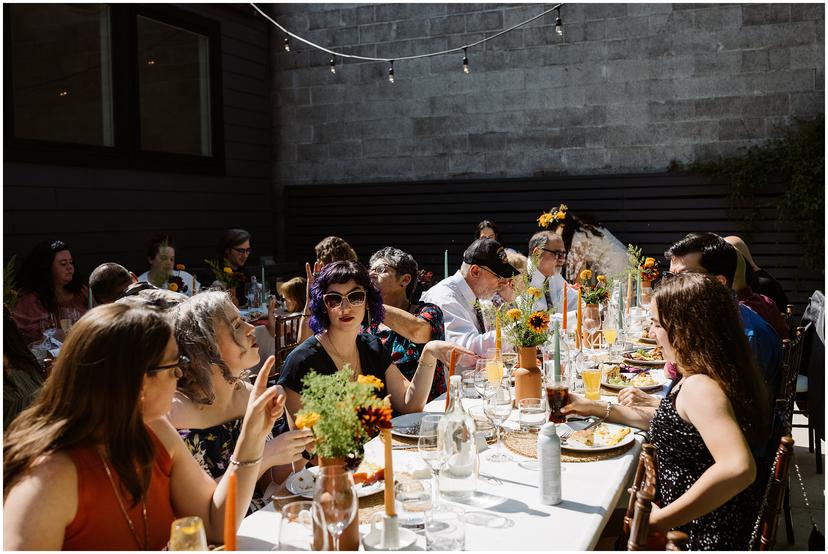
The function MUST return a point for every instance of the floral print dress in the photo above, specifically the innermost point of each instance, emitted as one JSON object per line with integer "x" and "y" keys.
{"x": 406, "y": 354}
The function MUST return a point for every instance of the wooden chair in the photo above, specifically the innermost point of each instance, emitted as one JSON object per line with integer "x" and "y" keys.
{"x": 287, "y": 334}
{"x": 642, "y": 501}
{"x": 774, "y": 494}
{"x": 648, "y": 450}
{"x": 677, "y": 541}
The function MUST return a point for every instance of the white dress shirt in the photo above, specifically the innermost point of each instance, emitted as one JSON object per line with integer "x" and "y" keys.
{"x": 455, "y": 297}
{"x": 186, "y": 277}
{"x": 556, "y": 286}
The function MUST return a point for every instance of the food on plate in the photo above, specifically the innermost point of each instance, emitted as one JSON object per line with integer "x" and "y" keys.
{"x": 303, "y": 482}
{"x": 647, "y": 355}
{"x": 254, "y": 315}
{"x": 613, "y": 376}
{"x": 368, "y": 473}
{"x": 643, "y": 379}
{"x": 584, "y": 436}
{"x": 609, "y": 436}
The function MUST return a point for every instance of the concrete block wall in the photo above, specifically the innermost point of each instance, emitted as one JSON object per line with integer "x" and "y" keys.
{"x": 629, "y": 88}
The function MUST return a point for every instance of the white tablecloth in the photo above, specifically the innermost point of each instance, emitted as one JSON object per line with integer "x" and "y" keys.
{"x": 505, "y": 511}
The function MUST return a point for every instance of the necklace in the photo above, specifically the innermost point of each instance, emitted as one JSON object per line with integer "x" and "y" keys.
{"x": 355, "y": 367}
{"x": 123, "y": 509}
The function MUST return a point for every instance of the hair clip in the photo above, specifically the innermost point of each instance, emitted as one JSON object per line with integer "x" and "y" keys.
{"x": 57, "y": 245}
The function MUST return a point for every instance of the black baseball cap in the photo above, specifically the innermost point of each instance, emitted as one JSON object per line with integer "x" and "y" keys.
{"x": 489, "y": 253}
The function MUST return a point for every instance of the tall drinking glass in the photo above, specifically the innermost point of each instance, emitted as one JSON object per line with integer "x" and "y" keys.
{"x": 334, "y": 490}
{"x": 301, "y": 525}
{"x": 427, "y": 447}
{"x": 480, "y": 380}
{"x": 187, "y": 533}
{"x": 497, "y": 405}
{"x": 610, "y": 329}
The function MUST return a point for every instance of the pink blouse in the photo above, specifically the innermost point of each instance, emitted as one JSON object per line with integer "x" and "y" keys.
{"x": 32, "y": 317}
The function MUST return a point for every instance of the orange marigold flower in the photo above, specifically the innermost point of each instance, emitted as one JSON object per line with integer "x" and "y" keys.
{"x": 601, "y": 279}
{"x": 306, "y": 421}
{"x": 538, "y": 322}
{"x": 534, "y": 292}
{"x": 173, "y": 287}
{"x": 370, "y": 380}
{"x": 649, "y": 262}
{"x": 179, "y": 267}
{"x": 228, "y": 271}
{"x": 586, "y": 274}
{"x": 375, "y": 416}
{"x": 545, "y": 219}
{"x": 513, "y": 314}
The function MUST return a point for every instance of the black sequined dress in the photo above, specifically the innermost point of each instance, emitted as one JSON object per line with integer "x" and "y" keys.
{"x": 682, "y": 458}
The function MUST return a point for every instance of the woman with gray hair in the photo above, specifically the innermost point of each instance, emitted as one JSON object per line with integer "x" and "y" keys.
{"x": 209, "y": 404}
{"x": 408, "y": 324}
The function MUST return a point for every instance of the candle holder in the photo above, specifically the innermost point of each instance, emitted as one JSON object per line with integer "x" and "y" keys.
{"x": 388, "y": 536}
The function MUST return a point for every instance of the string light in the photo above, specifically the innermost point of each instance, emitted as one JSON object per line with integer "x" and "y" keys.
{"x": 151, "y": 61}
{"x": 63, "y": 92}
{"x": 464, "y": 49}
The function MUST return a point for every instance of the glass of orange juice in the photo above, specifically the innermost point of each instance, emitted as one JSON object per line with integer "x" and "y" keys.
{"x": 494, "y": 370}
{"x": 592, "y": 382}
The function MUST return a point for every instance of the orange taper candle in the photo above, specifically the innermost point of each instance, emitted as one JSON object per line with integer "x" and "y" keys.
{"x": 452, "y": 362}
{"x": 389, "y": 474}
{"x": 230, "y": 514}
{"x": 566, "y": 286}
{"x": 578, "y": 321}
{"x": 498, "y": 338}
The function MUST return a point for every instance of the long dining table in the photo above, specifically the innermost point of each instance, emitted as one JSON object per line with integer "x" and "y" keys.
{"x": 505, "y": 513}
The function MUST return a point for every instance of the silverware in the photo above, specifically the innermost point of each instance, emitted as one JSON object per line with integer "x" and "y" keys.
{"x": 564, "y": 434}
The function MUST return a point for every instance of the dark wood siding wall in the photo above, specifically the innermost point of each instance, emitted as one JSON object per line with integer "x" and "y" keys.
{"x": 106, "y": 214}
{"x": 650, "y": 210}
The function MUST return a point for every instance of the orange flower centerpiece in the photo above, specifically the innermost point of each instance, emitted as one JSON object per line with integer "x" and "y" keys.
{"x": 554, "y": 215}
{"x": 594, "y": 294}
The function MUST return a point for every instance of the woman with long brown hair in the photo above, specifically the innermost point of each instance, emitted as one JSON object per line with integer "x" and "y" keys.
{"x": 703, "y": 429}
{"x": 93, "y": 464}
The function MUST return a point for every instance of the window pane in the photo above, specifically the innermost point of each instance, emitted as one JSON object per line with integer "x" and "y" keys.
{"x": 174, "y": 83}
{"x": 61, "y": 73}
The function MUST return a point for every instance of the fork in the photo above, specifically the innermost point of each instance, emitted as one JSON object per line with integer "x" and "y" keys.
{"x": 564, "y": 434}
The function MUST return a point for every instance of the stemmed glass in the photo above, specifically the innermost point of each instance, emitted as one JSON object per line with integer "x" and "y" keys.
{"x": 480, "y": 378}
{"x": 427, "y": 446}
{"x": 610, "y": 329}
{"x": 334, "y": 490}
{"x": 497, "y": 405}
{"x": 510, "y": 360}
{"x": 302, "y": 523}
{"x": 187, "y": 533}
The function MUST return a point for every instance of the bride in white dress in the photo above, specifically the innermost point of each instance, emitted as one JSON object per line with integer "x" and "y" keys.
{"x": 587, "y": 244}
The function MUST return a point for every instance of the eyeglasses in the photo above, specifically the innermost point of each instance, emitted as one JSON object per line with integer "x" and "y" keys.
{"x": 381, "y": 268}
{"x": 334, "y": 299}
{"x": 498, "y": 277}
{"x": 558, "y": 253}
{"x": 242, "y": 251}
{"x": 183, "y": 361}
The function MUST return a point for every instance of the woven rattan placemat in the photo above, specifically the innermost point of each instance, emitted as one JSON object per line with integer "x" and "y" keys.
{"x": 526, "y": 444}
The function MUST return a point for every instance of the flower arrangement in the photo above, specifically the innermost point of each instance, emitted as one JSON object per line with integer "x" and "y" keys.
{"x": 342, "y": 414}
{"x": 225, "y": 275}
{"x": 523, "y": 325}
{"x": 596, "y": 293}
{"x": 175, "y": 282}
{"x": 639, "y": 262}
{"x": 555, "y": 214}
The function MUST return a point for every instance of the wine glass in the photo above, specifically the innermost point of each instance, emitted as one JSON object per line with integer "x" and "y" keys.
{"x": 334, "y": 490}
{"x": 302, "y": 523}
{"x": 497, "y": 405}
{"x": 510, "y": 360}
{"x": 610, "y": 329}
{"x": 187, "y": 533}
{"x": 480, "y": 379}
{"x": 427, "y": 446}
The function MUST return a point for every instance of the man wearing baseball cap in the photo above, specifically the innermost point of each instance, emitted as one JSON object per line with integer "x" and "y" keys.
{"x": 483, "y": 272}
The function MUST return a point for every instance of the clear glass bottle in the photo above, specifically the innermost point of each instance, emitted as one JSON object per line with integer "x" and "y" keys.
{"x": 455, "y": 438}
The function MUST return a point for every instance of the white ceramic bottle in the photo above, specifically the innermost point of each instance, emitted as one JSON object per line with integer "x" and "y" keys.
{"x": 549, "y": 465}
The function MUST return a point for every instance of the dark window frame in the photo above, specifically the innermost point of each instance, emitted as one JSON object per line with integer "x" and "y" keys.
{"x": 127, "y": 153}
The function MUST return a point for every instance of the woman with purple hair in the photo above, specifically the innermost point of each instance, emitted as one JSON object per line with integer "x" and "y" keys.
{"x": 342, "y": 297}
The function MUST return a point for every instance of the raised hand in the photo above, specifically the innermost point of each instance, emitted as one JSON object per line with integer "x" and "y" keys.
{"x": 264, "y": 406}
{"x": 288, "y": 447}
{"x": 441, "y": 350}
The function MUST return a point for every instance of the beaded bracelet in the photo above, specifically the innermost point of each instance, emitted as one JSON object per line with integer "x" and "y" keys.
{"x": 246, "y": 463}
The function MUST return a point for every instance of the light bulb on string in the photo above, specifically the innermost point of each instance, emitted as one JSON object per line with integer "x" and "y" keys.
{"x": 63, "y": 93}
{"x": 287, "y": 44}
{"x": 333, "y": 64}
{"x": 465, "y": 62}
{"x": 391, "y": 72}
{"x": 558, "y": 23}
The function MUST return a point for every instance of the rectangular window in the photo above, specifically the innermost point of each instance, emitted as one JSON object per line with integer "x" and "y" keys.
{"x": 62, "y": 73}
{"x": 174, "y": 89}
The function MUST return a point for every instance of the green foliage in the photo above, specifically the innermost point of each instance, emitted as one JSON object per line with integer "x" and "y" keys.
{"x": 798, "y": 160}
{"x": 522, "y": 325}
{"x": 10, "y": 292}
{"x": 225, "y": 274}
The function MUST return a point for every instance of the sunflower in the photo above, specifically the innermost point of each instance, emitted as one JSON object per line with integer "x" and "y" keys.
{"x": 601, "y": 279}
{"x": 534, "y": 292}
{"x": 370, "y": 380}
{"x": 173, "y": 287}
{"x": 513, "y": 314}
{"x": 545, "y": 219}
{"x": 306, "y": 421}
{"x": 586, "y": 275}
{"x": 538, "y": 322}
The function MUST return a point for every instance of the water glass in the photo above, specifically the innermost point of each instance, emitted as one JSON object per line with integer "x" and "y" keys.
{"x": 445, "y": 529}
{"x": 334, "y": 490}
{"x": 469, "y": 389}
{"x": 412, "y": 499}
{"x": 510, "y": 360}
{"x": 187, "y": 533}
{"x": 531, "y": 414}
{"x": 427, "y": 447}
{"x": 497, "y": 405}
{"x": 301, "y": 523}
{"x": 480, "y": 380}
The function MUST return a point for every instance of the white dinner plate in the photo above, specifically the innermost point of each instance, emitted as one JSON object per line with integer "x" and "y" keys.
{"x": 655, "y": 374}
{"x": 578, "y": 447}
{"x": 362, "y": 490}
{"x": 408, "y": 425}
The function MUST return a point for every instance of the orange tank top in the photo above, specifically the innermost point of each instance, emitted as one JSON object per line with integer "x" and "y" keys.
{"x": 99, "y": 523}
